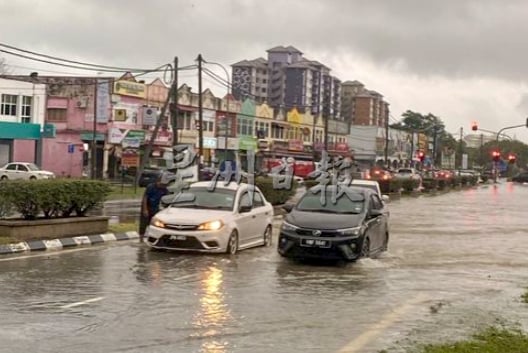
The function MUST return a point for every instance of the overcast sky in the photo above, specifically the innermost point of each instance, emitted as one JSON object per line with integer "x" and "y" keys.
{"x": 461, "y": 60}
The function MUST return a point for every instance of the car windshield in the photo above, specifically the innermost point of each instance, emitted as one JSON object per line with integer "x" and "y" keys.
{"x": 32, "y": 166}
{"x": 219, "y": 199}
{"x": 348, "y": 202}
{"x": 405, "y": 171}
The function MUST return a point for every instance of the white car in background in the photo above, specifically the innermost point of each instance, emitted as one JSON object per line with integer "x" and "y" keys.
{"x": 370, "y": 184}
{"x": 221, "y": 220}
{"x": 23, "y": 170}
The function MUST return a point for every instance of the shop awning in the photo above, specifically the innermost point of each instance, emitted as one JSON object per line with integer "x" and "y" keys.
{"x": 19, "y": 131}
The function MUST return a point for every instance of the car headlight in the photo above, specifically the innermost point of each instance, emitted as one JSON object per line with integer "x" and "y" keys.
{"x": 156, "y": 222}
{"x": 351, "y": 232}
{"x": 288, "y": 227}
{"x": 213, "y": 225}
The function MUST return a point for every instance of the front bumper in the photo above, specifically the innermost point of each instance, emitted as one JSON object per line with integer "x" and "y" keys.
{"x": 292, "y": 245}
{"x": 199, "y": 241}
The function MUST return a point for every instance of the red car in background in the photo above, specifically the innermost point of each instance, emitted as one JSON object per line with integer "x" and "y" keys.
{"x": 379, "y": 174}
{"x": 301, "y": 167}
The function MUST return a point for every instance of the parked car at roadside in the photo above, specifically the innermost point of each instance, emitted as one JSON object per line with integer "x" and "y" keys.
{"x": 226, "y": 219}
{"x": 25, "y": 171}
{"x": 355, "y": 226}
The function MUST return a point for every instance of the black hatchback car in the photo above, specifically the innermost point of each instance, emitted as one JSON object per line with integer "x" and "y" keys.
{"x": 351, "y": 224}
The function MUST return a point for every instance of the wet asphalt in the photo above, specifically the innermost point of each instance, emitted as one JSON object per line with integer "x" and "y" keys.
{"x": 456, "y": 262}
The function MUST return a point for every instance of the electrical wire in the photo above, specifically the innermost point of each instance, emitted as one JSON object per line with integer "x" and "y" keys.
{"x": 72, "y": 61}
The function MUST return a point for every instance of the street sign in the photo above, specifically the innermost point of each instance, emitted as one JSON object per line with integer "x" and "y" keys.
{"x": 71, "y": 148}
{"x": 129, "y": 158}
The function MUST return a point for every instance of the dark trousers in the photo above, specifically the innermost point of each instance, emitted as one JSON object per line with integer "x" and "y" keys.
{"x": 144, "y": 221}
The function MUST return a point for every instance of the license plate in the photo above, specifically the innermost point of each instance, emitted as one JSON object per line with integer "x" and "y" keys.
{"x": 318, "y": 243}
{"x": 178, "y": 237}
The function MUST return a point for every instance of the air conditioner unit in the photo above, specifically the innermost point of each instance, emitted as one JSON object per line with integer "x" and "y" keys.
{"x": 82, "y": 102}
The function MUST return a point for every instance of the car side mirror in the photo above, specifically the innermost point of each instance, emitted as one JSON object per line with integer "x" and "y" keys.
{"x": 245, "y": 209}
{"x": 375, "y": 213}
{"x": 287, "y": 207}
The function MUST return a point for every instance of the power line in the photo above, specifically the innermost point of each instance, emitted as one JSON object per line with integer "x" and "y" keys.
{"x": 72, "y": 61}
{"x": 74, "y": 66}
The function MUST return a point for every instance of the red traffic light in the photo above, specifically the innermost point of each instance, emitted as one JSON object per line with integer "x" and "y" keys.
{"x": 474, "y": 126}
{"x": 421, "y": 156}
{"x": 496, "y": 155}
{"x": 511, "y": 158}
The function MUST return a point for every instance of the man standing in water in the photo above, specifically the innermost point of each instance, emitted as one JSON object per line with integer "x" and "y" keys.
{"x": 151, "y": 201}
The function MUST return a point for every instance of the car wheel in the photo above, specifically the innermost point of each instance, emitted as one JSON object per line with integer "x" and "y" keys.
{"x": 232, "y": 245}
{"x": 3, "y": 177}
{"x": 268, "y": 234}
{"x": 32, "y": 178}
{"x": 365, "y": 249}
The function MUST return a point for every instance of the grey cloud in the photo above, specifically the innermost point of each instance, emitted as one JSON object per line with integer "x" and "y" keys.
{"x": 452, "y": 38}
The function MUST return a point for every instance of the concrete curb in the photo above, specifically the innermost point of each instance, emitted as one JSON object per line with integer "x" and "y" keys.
{"x": 64, "y": 243}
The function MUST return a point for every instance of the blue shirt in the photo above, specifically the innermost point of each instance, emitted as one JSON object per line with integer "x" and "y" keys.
{"x": 154, "y": 193}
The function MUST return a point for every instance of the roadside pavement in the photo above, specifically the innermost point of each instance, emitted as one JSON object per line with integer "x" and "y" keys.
{"x": 65, "y": 243}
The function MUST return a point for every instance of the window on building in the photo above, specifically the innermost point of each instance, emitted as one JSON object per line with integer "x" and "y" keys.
{"x": 244, "y": 126}
{"x": 261, "y": 129}
{"x": 263, "y": 89}
{"x": 8, "y": 106}
{"x": 26, "y": 109}
{"x": 277, "y": 132}
{"x": 187, "y": 121}
{"x": 57, "y": 115}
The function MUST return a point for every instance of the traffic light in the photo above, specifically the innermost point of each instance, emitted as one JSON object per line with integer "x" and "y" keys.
{"x": 496, "y": 156}
{"x": 474, "y": 126}
{"x": 421, "y": 156}
{"x": 511, "y": 158}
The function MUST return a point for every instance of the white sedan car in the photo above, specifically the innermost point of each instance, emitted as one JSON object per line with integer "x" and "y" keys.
{"x": 225, "y": 219}
{"x": 22, "y": 170}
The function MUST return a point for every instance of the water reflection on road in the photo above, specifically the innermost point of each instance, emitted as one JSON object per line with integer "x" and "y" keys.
{"x": 458, "y": 258}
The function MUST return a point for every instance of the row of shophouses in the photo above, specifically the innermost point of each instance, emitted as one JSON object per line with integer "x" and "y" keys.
{"x": 53, "y": 122}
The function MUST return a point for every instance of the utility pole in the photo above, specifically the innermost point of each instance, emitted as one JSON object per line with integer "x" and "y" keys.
{"x": 174, "y": 111}
{"x": 200, "y": 114}
{"x": 461, "y": 146}
{"x": 387, "y": 141}
{"x": 325, "y": 117}
{"x": 411, "y": 157}
{"x": 148, "y": 149}
{"x": 434, "y": 145}
{"x": 94, "y": 132}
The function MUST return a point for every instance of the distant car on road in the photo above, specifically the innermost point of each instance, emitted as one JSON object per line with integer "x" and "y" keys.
{"x": 521, "y": 177}
{"x": 23, "y": 170}
{"x": 372, "y": 185}
{"x": 222, "y": 220}
{"x": 355, "y": 226}
{"x": 149, "y": 176}
{"x": 408, "y": 174}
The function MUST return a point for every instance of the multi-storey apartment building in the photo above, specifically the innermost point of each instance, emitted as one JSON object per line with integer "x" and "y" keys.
{"x": 250, "y": 80}
{"x": 287, "y": 80}
{"x": 361, "y": 106}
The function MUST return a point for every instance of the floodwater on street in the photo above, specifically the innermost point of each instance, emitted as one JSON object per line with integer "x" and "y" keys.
{"x": 456, "y": 262}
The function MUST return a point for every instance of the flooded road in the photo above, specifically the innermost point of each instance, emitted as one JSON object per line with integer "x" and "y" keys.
{"x": 456, "y": 262}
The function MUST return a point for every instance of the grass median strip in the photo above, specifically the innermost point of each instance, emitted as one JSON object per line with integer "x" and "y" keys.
{"x": 490, "y": 340}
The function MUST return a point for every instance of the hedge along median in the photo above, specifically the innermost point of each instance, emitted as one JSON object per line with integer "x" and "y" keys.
{"x": 51, "y": 208}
